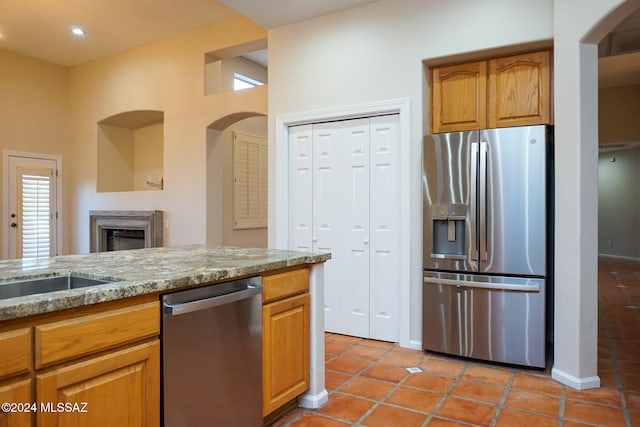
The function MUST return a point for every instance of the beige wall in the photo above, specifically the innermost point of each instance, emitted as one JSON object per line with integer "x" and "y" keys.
{"x": 220, "y": 186}
{"x": 55, "y": 110}
{"x": 148, "y": 156}
{"x": 115, "y": 151}
{"x": 34, "y": 114}
{"x": 167, "y": 76}
{"x": 619, "y": 114}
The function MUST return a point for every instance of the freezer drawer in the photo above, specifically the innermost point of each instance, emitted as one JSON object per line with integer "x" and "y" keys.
{"x": 500, "y": 319}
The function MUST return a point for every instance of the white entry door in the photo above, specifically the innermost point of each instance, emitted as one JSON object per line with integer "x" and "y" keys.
{"x": 344, "y": 180}
{"x": 32, "y": 211}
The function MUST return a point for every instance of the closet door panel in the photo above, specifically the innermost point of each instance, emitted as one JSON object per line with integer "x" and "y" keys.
{"x": 300, "y": 188}
{"x": 327, "y": 217}
{"x": 354, "y": 300}
{"x": 385, "y": 229}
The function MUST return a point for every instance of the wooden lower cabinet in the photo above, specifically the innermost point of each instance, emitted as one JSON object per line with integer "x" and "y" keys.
{"x": 285, "y": 326}
{"x": 18, "y": 393}
{"x": 121, "y": 388}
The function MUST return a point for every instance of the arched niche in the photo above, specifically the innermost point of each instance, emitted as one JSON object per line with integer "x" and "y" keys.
{"x": 130, "y": 151}
{"x": 220, "y": 226}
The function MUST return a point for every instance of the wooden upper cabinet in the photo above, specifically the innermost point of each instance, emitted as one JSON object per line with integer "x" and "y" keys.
{"x": 459, "y": 97}
{"x": 520, "y": 90}
{"x": 500, "y": 92}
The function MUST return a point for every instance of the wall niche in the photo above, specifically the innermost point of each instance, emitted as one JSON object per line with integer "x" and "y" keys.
{"x": 238, "y": 67}
{"x": 131, "y": 152}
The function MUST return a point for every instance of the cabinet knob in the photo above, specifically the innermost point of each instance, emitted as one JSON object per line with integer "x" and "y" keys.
{"x": 14, "y": 225}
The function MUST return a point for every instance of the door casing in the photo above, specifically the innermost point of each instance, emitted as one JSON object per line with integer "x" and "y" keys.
{"x": 6, "y": 191}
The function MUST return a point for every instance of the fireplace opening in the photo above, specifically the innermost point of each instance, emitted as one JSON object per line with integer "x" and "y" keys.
{"x": 119, "y": 239}
{"x": 121, "y": 230}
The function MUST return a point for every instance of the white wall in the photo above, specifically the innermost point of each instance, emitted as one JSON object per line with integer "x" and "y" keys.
{"x": 374, "y": 53}
{"x": 619, "y": 203}
{"x": 577, "y": 32}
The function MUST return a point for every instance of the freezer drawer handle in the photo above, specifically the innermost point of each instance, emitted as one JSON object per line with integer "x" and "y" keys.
{"x": 448, "y": 256}
{"x": 203, "y": 304}
{"x": 484, "y": 285}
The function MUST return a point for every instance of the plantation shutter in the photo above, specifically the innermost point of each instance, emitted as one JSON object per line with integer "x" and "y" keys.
{"x": 249, "y": 181}
{"x": 35, "y": 197}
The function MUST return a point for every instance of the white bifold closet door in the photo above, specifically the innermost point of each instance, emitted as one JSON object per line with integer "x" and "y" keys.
{"x": 344, "y": 198}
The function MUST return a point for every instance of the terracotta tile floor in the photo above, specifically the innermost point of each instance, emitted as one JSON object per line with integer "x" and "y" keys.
{"x": 369, "y": 386}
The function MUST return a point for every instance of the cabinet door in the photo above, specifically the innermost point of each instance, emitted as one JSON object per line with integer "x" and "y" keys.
{"x": 459, "y": 97}
{"x": 19, "y": 393}
{"x": 117, "y": 389}
{"x": 285, "y": 349}
{"x": 15, "y": 348}
{"x": 520, "y": 90}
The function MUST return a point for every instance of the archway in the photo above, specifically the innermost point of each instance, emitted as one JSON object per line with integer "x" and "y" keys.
{"x": 219, "y": 173}
{"x": 577, "y": 32}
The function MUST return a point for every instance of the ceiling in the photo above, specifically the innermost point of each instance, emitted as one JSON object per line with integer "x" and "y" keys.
{"x": 41, "y": 29}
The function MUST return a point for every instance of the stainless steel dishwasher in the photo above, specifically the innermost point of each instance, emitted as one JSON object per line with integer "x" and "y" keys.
{"x": 212, "y": 355}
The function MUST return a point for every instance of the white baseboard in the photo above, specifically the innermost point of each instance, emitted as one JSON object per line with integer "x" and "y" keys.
{"x": 314, "y": 401}
{"x": 575, "y": 382}
{"x": 415, "y": 345}
{"x": 620, "y": 257}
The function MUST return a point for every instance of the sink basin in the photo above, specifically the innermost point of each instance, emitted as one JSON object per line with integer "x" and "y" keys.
{"x": 40, "y": 285}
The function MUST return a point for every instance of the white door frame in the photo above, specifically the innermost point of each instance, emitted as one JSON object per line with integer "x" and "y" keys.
{"x": 5, "y": 195}
{"x": 280, "y": 167}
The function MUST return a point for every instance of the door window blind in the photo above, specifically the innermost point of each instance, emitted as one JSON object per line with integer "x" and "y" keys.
{"x": 249, "y": 181}
{"x": 35, "y": 212}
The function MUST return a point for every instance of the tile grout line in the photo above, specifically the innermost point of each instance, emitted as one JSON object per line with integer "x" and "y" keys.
{"x": 563, "y": 395}
{"x": 389, "y": 393}
{"x": 614, "y": 358}
{"x": 447, "y": 393}
{"x": 503, "y": 399}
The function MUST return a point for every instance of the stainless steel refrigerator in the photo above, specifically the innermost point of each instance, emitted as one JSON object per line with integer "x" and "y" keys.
{"x": 486, "y": 226}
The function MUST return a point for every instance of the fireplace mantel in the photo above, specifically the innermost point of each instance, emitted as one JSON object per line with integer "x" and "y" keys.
{"x": 148, "y": 221}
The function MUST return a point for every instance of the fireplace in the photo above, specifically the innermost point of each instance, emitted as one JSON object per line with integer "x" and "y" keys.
{"x": 120, "y": 230}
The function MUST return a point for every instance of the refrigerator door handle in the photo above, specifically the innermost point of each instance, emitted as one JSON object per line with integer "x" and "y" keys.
{"x": 482, "y": 223}
{"x": 532, "y": 287}
{"x": 473, "y": 199}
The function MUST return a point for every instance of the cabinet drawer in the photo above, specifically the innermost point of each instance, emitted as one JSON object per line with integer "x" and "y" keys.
{"x": 284, "y": 284}
{"x": 58, "y": 341}
{"x": 15, "y": 348}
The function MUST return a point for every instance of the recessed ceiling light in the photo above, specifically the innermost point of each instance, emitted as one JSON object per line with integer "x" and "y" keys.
{"x": 77, "y": 31}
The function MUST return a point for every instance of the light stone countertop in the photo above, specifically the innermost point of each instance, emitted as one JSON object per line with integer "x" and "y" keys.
{"x": 141, "y": 271}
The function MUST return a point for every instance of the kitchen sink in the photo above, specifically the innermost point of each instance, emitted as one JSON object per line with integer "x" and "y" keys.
{"x": 40, "y": 285}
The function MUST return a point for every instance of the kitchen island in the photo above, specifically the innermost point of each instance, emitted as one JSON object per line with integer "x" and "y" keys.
{"x": 48, "y": 338}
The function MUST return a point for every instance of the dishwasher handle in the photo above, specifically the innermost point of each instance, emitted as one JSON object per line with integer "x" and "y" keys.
{"x": 175, "y": 309}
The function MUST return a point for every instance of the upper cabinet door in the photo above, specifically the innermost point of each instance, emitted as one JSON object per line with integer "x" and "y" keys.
{"x": 520, "y": 90}
{"x": 459, "y": 97}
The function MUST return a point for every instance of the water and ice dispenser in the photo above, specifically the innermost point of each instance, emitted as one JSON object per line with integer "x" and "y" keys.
{"x": 448, "y": 222}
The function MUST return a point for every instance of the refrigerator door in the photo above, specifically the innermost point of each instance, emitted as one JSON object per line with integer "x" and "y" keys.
{"x": 449, "y": 188}
{"x": 512, "y": 201}
{"x": 485, "y": 317}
